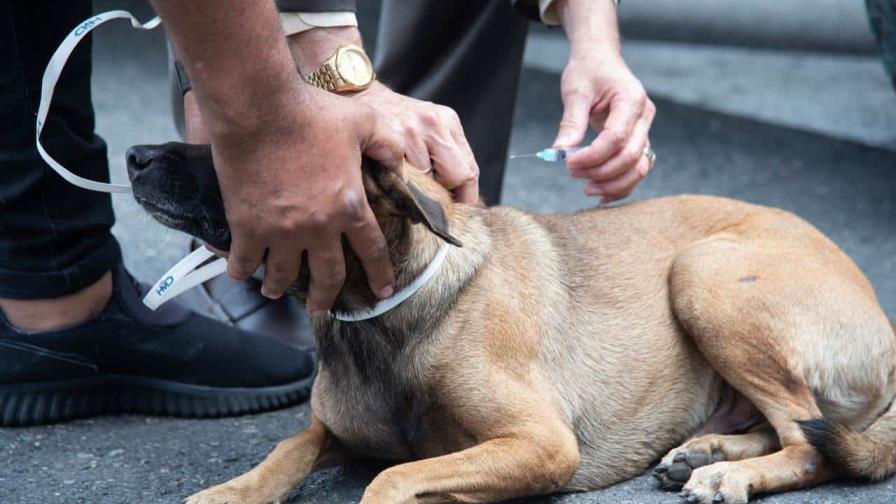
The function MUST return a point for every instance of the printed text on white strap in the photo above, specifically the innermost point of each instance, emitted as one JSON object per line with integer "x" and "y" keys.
{"x": 48, "y": 85}
{"x": 182, "y": 276}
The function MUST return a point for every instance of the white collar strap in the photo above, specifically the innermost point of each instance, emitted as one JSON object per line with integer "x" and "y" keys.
{"x": 402, "y": 295}
{"x": 184, "y": 275}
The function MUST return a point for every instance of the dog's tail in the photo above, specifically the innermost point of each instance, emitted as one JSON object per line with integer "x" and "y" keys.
{"x": 864, "y": 455}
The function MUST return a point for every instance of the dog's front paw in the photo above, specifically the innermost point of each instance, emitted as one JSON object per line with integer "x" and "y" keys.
{"x": 221, "y": 494}
{"x": 388, "y": 488}
{"x": 229, "y": 493}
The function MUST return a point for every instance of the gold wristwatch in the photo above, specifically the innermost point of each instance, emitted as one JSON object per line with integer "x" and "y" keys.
{"x": 347, "y": 71}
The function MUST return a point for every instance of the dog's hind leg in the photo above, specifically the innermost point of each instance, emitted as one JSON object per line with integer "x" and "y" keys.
{"x": 271, "y": 481}
{"x": 747, "y": 304}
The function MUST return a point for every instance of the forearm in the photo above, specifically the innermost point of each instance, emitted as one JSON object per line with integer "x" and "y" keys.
{"x": 236, "y": 57}
{"x": 591, "y": 27}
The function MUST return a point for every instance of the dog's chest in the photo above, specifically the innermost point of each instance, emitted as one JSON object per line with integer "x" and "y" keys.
{"x": 374, "y": 419}
{"x": 372, "y": 393}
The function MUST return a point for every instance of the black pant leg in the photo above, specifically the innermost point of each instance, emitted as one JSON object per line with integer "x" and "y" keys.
{"x": 465, "y": 54}
{"x": 54, "y": 237}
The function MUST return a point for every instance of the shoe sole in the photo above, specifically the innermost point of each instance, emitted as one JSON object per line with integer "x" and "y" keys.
{"x": 30, "y": 404}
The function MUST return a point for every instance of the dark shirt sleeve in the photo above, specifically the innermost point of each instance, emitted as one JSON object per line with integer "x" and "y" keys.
{"x": 529, "y": 8}
{"x": 316, "y": 5}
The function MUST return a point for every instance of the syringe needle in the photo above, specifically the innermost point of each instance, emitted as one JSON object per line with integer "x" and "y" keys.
{"x": 515, "y": 156}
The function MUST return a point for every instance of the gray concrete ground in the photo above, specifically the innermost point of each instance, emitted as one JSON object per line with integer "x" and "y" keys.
{"x": 766, "y": 145}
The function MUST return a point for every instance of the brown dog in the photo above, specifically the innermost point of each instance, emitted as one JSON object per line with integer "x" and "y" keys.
{"x": 568, "y": 352}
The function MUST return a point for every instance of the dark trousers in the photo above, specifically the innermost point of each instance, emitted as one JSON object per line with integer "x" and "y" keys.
{"x": 54, "y": 237}
{"x": 465, "y": 54}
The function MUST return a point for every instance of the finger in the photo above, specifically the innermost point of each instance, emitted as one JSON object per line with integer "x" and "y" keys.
{"x": 623, "y": 160}
{"x": 457, "y": 132}
{"x": 218, "y": 252}
{"x": 574, "y": 124}
{"x": 467, "y": 192}
{"x": 418, "y": 154}
{"x": 245, "y": 256}
{"x": 453, "y": 170}
{"x": 383, "y": 142}
{"x": 369, "y": 244}
{"x": 327, "y": 266}
{"x": 281, "y": 269}
{"x": 624, "y": 113}
{"x": 620, "y": 187}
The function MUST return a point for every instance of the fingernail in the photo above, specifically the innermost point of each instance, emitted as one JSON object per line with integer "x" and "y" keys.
{"x": 386, "y": 292}
{"x": 593, "y": 191}
{"x": 268, "y": 294}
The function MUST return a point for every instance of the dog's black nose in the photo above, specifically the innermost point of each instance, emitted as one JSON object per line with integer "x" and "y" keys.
{"x": 139, "y": 157}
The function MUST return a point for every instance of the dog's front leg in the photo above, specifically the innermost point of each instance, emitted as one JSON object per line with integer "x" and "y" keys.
{"x": 514, "y": 466}
{"x": 271, "y": 481}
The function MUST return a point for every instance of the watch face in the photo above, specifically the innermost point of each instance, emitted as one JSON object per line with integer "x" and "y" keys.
{"x": 354, "y": 67}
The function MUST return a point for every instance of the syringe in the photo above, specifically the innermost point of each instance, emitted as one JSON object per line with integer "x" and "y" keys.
{"x": 551, "y": 155}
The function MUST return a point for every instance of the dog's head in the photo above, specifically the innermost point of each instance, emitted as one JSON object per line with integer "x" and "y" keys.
{"x": 176, "y": 183}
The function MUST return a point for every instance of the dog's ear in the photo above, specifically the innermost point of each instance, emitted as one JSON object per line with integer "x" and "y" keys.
{"x": 408, "y": 200}
{"x": 427, "y": 211}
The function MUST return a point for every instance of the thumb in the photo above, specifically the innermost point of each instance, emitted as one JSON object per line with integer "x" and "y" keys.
{"x": 576, "y": 112}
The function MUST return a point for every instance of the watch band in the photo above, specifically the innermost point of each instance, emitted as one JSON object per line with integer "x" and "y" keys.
{"x": 325, "y": 78}
{"x": 183, "y": 80}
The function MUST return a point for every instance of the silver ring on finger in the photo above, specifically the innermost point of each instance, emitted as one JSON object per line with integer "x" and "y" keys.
{"x": 650, "y": 155}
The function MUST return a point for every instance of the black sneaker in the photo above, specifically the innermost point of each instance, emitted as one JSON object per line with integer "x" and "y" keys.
{"x": 129, "y": 359}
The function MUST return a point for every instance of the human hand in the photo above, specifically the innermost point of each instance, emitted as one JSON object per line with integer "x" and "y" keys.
{"x": 605, "y": 94}
{"x": 293, "y": 184}
{"x": 433, "y": 138}
{"x": 598, "y": 89}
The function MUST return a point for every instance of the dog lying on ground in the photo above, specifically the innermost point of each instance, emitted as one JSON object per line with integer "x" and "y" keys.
{"x": 555, "y": 353}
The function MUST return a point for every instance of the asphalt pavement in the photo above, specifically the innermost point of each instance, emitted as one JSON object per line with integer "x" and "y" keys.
{"x": 845, "y": 184}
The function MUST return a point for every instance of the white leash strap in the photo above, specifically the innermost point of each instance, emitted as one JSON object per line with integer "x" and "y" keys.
{"x": 51, "y": 77}
{"x": 400, "y": 296}
{"x": 183, "y": 276}
{"x": 180, "y": 277}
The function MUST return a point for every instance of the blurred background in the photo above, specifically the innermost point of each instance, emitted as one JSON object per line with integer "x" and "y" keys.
{"x": 778, "y": 103}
